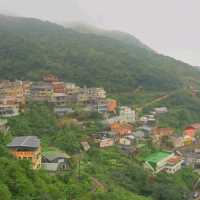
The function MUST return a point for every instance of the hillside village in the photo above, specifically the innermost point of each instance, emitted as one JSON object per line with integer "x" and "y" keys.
{"x": 122, "y": 127}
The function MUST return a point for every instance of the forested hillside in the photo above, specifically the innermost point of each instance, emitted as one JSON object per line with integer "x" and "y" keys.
{"x": 31, "y": 47}
{"x": 102, "y": 174}
{"x": 129, "y": 70}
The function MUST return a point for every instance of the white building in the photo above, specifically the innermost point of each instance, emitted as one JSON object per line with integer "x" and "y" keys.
{"x": 161, "y": 110}
{"x": 163, "y": 161}
{"x": 97, "y": 93}
{"x": 127, "y": 115}
{"x": 106, "y": 142}
{"x": 9, "y": 110}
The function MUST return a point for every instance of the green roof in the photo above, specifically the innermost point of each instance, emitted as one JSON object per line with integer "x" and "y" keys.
{"x": 55, "y": 154}
{"x": 156, "y": 157}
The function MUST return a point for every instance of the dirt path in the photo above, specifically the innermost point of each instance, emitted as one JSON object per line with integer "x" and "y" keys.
{"x": 98, "y": 185}
{"x": 158, "y": 99}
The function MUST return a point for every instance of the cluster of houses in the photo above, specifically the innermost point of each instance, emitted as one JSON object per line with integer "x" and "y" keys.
{"x": 29, "y": 148}
{"x": 151, "y": 117}
{"x": 122, "y": 126}
{"x": 189, "y": 136}
{"x": 122, "y": 132}
{"x": 12, "y": 97}
{"x": 126, "y": 115}
{"x": 62, "y": 95}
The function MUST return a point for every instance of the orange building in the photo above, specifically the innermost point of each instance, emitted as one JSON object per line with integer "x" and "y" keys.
{"x": 111, "y": 105}
{"x": 27, "y": 148}
{"x": 122, "y": 128}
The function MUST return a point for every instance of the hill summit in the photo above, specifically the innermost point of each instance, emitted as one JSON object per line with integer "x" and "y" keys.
{"x": 117, "y": 61}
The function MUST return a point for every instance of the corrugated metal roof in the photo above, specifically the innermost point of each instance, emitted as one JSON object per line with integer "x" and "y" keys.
{"x": 25, "y": 141}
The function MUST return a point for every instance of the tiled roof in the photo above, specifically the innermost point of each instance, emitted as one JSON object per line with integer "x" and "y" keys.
{"x": 174, "y": 160}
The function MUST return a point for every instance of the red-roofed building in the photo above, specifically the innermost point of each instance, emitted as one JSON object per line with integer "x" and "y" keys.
{"x": 192, "y": 130}
{"x": 174, "y": 160}
{"x": 174, "y": 164}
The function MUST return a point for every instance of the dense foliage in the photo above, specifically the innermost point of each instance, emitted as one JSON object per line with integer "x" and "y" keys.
{"x": 19, "y": 182}
{"x": 117, "y": 61}
{"x": 104, "y": 174}
{"x": 31, "y": 47}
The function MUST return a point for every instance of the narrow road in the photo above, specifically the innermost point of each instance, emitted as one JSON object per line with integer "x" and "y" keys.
{"x": 155, "y": 101}
{"x": 158, "y": 99}
{"x": 98, "y": 185}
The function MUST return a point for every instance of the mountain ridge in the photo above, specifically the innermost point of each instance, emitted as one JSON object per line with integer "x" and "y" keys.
{"x": 114, "y": 34}
{"x": 32, "y": 47}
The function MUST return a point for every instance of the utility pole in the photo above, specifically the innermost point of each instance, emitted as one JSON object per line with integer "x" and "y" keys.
{"x": 79, "y": 168}
{"x": 79, "y": 165}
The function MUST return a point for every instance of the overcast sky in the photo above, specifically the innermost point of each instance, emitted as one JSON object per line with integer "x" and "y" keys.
{"x": 170, "y": 27}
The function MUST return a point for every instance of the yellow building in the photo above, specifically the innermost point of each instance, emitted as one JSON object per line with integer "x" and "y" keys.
{"x": 28, "y": 148}
{"x": 188, "y": 140}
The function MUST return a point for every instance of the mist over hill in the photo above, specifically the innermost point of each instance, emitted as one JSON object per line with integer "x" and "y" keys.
{"x": 117, "y": 61}
{"x": 118, "y": 35}
{"x": 132, "y": 73}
